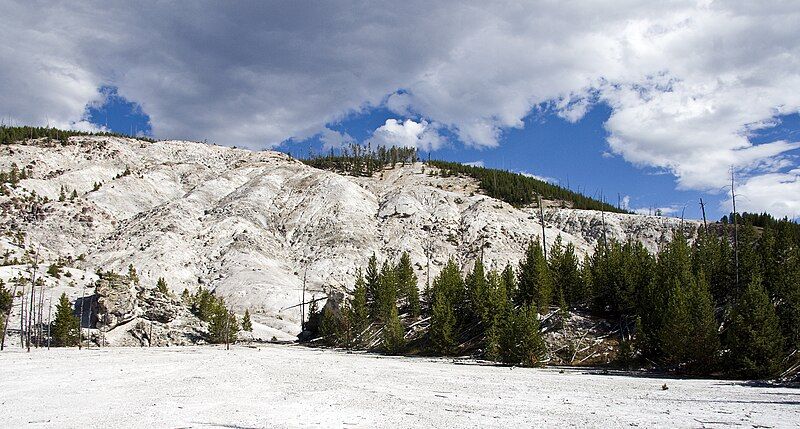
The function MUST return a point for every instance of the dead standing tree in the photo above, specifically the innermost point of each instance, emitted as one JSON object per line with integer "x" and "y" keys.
{"x": 34, "y": 270}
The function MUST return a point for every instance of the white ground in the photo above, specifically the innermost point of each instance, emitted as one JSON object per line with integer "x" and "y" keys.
{"x": 291, "y": 386}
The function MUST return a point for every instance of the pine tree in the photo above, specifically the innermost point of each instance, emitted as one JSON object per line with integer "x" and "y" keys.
{"x": 359, "y": 311}
{"x": 247, "y": 324}
{"x": 73, "y": 195}
{"x": 223, "y": 326}
{"x": 393, "y": 333}
{"x": 66, "y": 325}
{"x": 754, "y": 337}
{"x": 703, "y": 341}
{"x": 535, "y": 282}
{"x": 566, "y": 272}
{"x": 478, "y": 293}
{"x": 662, "y": 303}
{"x": 6, "y": 299}
{"x": 448, "y": 301}
{"x": 330, "y": 326}
{"x": 186, "y": 297}
{"x": 407, "y": 284}
{"x": 132, "y": 275}
{"x": 386, "y": 297}
{"x": 509, "y": 279}
{"x": 54, "y": 270}
{"x": 520, "y": 341}
{"x": 372, "y": 279}
{"x": 498, "y": 304}
{"x": 62, "y": 195}
{"x": 162, "y": 287}
{"x": 532, "y": 346}
{"x": 443, "y": 323}
{"x": 676, "y": 327}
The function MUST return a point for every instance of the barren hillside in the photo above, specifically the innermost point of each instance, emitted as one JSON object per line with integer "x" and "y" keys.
{"x": 248, "y": 224}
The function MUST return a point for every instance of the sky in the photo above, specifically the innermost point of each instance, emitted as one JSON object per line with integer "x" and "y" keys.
{"x": 650, "y": 104}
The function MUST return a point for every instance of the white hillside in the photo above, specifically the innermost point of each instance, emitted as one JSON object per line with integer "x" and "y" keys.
{"x": 247, "y": 224}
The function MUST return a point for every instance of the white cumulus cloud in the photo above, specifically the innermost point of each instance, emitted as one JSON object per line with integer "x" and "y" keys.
{"x": 420, "y": 135}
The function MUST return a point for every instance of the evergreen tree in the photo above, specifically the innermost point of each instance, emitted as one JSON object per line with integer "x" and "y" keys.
{"x": 663, "y": 307}
{"x": 509, "y": 279}
{"x": 223, "y": 326}
{"x": 750, "y": 253}
{"x": 393, "y": 333}
{"x": 478, "y": 293}
{"x": 498, "y": 305}
{"x": 407, "y": 284}
{"x": 54, "y": 270}
{"x": 754, "y": 337}
{"x": 703, "y": 340}
{"x": 520, "y": 341}
{"x": 372, "y": 279}
{"x": 359, "y": 311}
{"x": 713, "y": 257}
{"x": 132, "y": 275}
{"x": 617, "y": 272}
{"x": 62, "y": 195}
{"x": 66, "y": 325}
{"x": 162, "y": 287}
{"x": 247, "y": 324}
{"x": 443, "y": 324}
{"x": 566, "y": 272}
{"x": 535, "y": 285}
{"x": 6, "y": 299}
{"x": 448, "y": 299}
{"x": 330, "y": 327}
{"x": 675, "y": 328}
{"x": 73, "y": 195}
{"x": 386, "y": 297}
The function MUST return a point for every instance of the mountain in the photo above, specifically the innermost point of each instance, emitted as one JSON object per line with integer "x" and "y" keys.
{"x": 251, "y": 225}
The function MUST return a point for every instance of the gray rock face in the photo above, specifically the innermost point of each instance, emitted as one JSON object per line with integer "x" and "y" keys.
{"x": 131, "y": 315}
{"x": 116, "y": 302}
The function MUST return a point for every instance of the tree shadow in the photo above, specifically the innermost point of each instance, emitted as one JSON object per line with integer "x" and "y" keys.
{"x": 85, "y": 309}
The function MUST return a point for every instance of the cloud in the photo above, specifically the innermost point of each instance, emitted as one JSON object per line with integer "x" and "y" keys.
{"x": 552, "y": 180}
{"x": 420, "y": 135}
{"x": 662, "y": 211}
{"x": 334, "y": 140}
{"x": 625, "y": 204}
{"x": 771, "y": 192}
{"x": 688, "y": 82}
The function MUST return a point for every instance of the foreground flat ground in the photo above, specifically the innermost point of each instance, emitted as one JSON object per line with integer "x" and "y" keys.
{"x": 291, "y": 386}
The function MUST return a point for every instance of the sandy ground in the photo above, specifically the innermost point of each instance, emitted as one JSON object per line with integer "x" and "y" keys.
{"x": 291, "y": 386}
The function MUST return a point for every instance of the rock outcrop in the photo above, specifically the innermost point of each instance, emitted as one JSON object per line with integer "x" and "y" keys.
{"x": 129, "y": 314}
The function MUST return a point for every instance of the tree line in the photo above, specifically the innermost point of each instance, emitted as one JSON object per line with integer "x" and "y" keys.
{"x": 513, "y": 188}
{"x": 10, "y": 135}
{"x": 360, "y": 160}
{"x": 723, "y": 303}
{"x": 519, "y": 189}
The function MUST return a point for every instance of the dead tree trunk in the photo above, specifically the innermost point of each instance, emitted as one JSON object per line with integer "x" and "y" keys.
{"x": 541, "y": 218}
{"x": 703, "y": 209}
{"x": 22, "y": 319}
{"x": 80, "y": 323}
{"x": 735, "y": 231}
{"x": 49, "y": 312}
